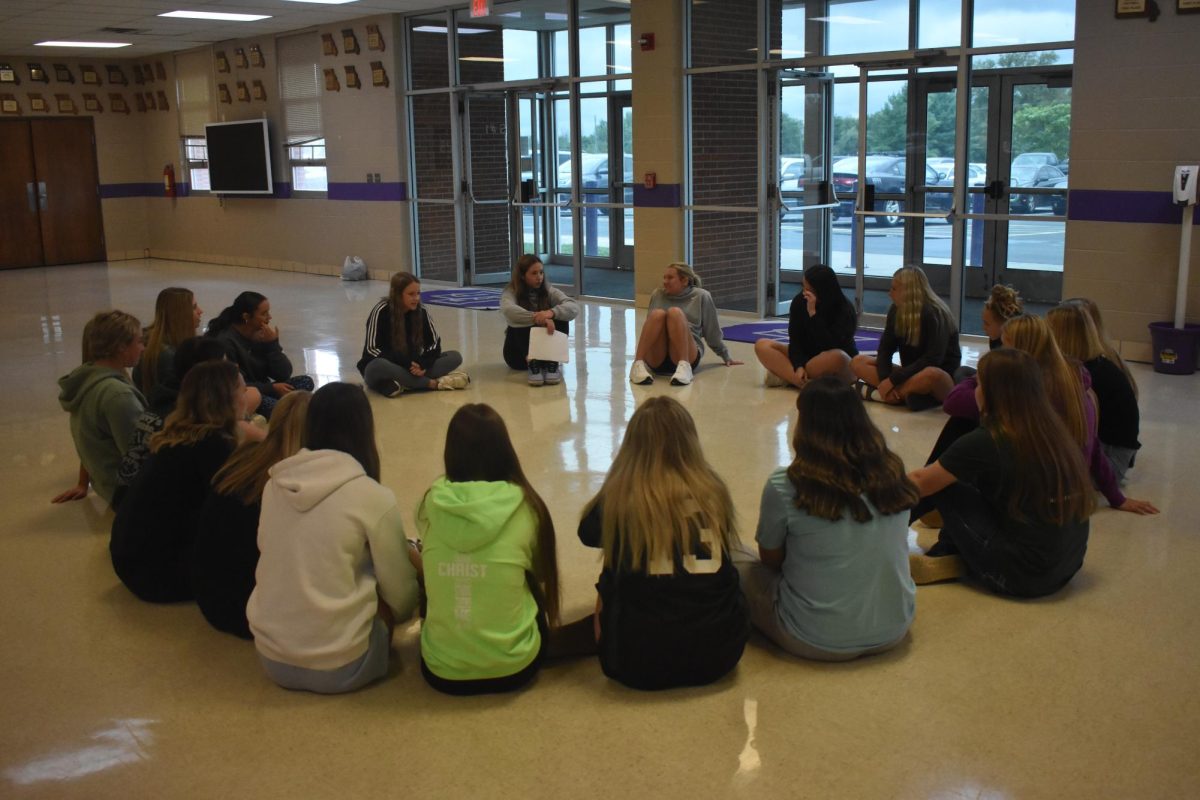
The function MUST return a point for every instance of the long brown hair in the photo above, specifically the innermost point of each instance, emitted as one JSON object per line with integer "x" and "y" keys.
{"x": 408, "y": 329}
{"x": 1059, "y": 377}
{"x": 841, "y": 456}
{"x": 478, "y": 448}
{"x": 915, "y": 295}
{"x": 521, "y": 290}
{"x": 339, "y": 418}
{"x": 1110, "y": 351}
{"x": 657, "y": 484}
{"x": 1050, "y": 481}
{"x": 172, "y": 325}
{"x": 246, "y": 472}
{"x": 208, "y": 404}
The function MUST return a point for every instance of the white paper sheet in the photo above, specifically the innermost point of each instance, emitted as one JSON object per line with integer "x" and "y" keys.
{"x": 544, "y": 346}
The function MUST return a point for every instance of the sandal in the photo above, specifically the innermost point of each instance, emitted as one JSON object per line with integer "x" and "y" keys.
{"x": 867, "y": 392}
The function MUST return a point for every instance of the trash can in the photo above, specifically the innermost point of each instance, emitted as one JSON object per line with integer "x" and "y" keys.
{"x": 1174, "y": 348}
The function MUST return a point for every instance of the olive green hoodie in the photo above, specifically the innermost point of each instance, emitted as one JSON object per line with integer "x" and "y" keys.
{"x": 479, "y": 542}
{"x": 104, "y": 408}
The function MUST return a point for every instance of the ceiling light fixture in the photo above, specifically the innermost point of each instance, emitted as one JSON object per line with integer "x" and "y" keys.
{"x": 216, "y": 15}
{"x": 83, "y": 44}
{"x": 325, "y": 2}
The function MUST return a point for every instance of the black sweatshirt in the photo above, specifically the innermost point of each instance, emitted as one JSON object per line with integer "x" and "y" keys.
{"x": 938, "y": 347}
{"x": 378, "y": 342}
{"x": 1117, "y": 405}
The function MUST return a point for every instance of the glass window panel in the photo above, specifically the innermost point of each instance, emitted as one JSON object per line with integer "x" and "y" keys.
{"x": 520, "y": 55}
{"x": 593, "y": 51}
{"x": 622, "y": 49}
{"x": 309, "y": 178}
{"x": 427, "y": 52}
{"x": 1007, "y": 22}
{"x": 867, "y": 26}
{"x": 1040, "y": 58}
{"x": 939, "y": 23}
{"x": 724, "y": 32}
{"x": 560, "y": 56}
{"x": 199, "y": 180}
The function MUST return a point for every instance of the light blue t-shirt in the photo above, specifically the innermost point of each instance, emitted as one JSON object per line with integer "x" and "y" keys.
{"x": 846, "y": 585}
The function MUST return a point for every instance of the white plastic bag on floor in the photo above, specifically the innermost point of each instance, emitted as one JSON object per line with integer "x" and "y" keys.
{"x": 354, "y": 269}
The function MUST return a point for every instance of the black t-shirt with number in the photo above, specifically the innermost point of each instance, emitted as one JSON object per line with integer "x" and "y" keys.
{"x": 1034, "y": 557}
{"x": 679, "y": 628}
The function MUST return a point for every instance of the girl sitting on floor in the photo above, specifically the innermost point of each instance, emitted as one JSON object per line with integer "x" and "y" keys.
{"x": 821, "y": 325}
{"x": 682, "y": 317}
{"x": 403, "y": 352}
{"x": 225, "y": 553}
{"x": 528, "y": 302}
{"x": 670, "y": 611}
{"x": 253, "y": 344}
{"x": 156, "y": 524}
{"x": 176, "y": 318}
{"x": 1116, "y": 399}
{"x": 922, "y": 328}
{"x": 833, "y": 583}
{"x": 490, "y": 565}
{"x": 335, "y": 571}
{"x": 1014, "y": 494}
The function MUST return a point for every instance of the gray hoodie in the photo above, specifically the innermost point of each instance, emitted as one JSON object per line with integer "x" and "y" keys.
{"x": 701, "y": 312}
{"x": 104, "y": 408}
{"x": 517, "y": 316}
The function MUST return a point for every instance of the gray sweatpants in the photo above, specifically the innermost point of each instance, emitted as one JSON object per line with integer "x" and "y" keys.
{"x": 380, "y": 373}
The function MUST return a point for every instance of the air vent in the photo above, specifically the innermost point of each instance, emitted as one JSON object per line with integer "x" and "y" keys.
{"x": 127, "y": 31}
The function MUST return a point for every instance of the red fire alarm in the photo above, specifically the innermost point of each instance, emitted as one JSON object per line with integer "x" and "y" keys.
{"x": 650, "y": 180}
{"x": 646, "y": 40}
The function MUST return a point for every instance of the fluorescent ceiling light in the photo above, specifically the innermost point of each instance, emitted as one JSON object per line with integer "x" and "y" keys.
{"x": 442, "y": 29}
{"x": 216, "y": 15}
{"x": 486, "y": 59}
{"x": 83, "y": 44}
{"x": 846, "y": 19}
{"x": 325, "y": 2}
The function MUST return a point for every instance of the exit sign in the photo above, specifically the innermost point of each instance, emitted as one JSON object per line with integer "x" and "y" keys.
{"x": 481, "y": 8}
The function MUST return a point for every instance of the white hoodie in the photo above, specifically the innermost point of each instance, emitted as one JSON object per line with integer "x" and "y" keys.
{"x": 328, "y": 535}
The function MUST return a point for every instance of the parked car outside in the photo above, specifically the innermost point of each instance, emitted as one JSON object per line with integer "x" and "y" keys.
{"x": 595, "y": 171}
{"x": 1029, "y": 174}
{"x": 886, "y": 174}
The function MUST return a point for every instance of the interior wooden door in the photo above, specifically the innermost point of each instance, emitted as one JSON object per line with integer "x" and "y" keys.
{"x": 20, "y": 229}
{"x": 64, "y": 156}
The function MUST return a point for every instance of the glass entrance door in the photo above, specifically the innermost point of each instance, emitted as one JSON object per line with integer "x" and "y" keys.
{"x": 800, "y": 198}
{"x": 491, "y": 164}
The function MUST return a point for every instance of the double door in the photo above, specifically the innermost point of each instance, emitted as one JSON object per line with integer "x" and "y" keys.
{"x": 49, "y": 193}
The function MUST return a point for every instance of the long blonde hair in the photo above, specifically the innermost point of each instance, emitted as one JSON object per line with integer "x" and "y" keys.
{"x": 172, "y": 325}
{"x": 1059, "y": 376}
{"x": 1075, "y": 332}
{"x": 1110, "y": 352}
{"x": 915, "y": 295}
{"x": 245, "y": 473}
{"x": 686, "y": 272}
{"x": 208, "y": 400}
{"x": 656, "y": 485}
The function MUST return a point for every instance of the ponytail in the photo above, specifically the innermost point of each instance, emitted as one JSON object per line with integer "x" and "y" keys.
{"x": 244, "y": 303}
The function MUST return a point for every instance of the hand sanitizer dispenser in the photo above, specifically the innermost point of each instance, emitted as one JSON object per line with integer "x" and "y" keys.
{"x": 1185, "y": 185}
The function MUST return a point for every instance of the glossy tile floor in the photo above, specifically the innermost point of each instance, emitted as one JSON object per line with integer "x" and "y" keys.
{"x": 1092, "y": 693}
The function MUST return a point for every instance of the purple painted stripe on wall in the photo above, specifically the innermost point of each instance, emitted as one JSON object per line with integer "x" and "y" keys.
{"x": 368, "y": 191}
{"x": 664, "y": 195}
{"x": 1114, "y": 205}
{"x": 112, "y": 190}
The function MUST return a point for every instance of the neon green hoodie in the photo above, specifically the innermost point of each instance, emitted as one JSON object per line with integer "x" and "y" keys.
{"x": 479, "y": 541}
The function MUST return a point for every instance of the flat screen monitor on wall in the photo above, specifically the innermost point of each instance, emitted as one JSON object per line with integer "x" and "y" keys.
{"x": 239, "y": 157}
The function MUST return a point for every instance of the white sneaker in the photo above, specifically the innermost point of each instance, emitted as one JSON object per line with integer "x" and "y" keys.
{"x": 454, "y": 380}
{"x": 683, "y": 374}
{"x": 639, "y": 374}
{"x": 773, "y": 381}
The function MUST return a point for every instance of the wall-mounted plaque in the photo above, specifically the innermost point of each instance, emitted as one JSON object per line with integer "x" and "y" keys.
{"x": 62, "y": 74}
{"x": 239, "y": 58}
{"x": 117, "y": 103}
{"x": 256, "y": 56}
{"x": 162, "y": 100}
{"x": 222, "y": 62}
{"x": 38, "y": 104}
{"x": 1187, "y": 6}
{"x": 8, "y": 74}
{"x": 65, "y": 104}
{"x": 328, "y": 45}
{"x": 331, "y": 81}
{"x": 379, "y": 76}
{"x": 258, "y": 90}
{"x": 243, "y": 92}
{"x": 1133, "y": 8}
{"x": 148, "y": 72}
{"x": 89, "y": 76}
{"x": 91, "y": 103}
{"x": 150, "y": 104}
{"x": 38, "y": 74}
{"x": 349, "y": 41}
{"x": 352, "y": 81}
{"x": 137, "y": 74}
{"x": 116, "y": 75}
{"x": 9, "y": 104}
{"x": 375, "y": 38}
{"x": 160, "y": 71}
{"x": 223, "y": 93}
{"x": 141, "y": 102}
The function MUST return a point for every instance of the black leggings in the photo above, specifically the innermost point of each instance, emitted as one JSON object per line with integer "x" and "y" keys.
{"x": 508, "y": 683}
{"x": 516, "y": 344}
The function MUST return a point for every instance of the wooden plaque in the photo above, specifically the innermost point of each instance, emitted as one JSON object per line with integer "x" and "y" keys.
{"x": 160, "y": 71}
{"x": 65, "y": 104}
{"x": 92, "y": 103}
{"x": 38, "y": 103}
{"x": 116, "y": 102}
{"x": 258, "y": 90}
{"x": 116, "y": 75}
{"x": 375, "y": 38}
{"x": 328, "y": 45}
{"x": 239, "y": 58}
{"x": 256, "y": 56}
{"x": 9, "y": 104}
{"x": 38, "y": 74}
{"x": 163, "y": 105}
{"x": 352, "y": 81}
{"x": 379, "y": 76}
{"x": 150, "y": 104}
{"x": 63, "y": 74}
{"x": 243, "y": 92}
{"x": 331, "y": 81}
{"x": 223, "y": 93}
{"x": 349, "y": 41}
{"x": 141, "y": 101}
{"x": 89, "y": 76}
{"x": 222, "y": 62}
